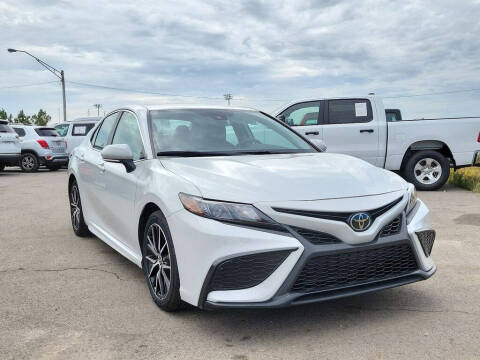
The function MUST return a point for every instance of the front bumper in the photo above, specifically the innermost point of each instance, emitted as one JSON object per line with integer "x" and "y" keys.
{"x": 215, "y": 243}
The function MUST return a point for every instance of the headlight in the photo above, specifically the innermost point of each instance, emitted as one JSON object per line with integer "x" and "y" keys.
{"x": 412, "y": 198}
{"x": 243, "y": 214}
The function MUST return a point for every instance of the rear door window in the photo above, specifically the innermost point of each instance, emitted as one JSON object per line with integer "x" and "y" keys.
{"x": 81, "y": 129}
{"x": 46, "y": 132}
{"x": 349, "y": 111}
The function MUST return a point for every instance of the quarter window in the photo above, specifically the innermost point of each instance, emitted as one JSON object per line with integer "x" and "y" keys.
{"x": 302, "y": 114}
{"x": 20, "y": 132}
{"x": 348, "y": 111}
{"x": 127, "y": 132}
{"x": 103, "y": 133}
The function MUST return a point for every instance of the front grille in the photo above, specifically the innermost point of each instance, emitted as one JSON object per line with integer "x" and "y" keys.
{"x": 393, "y": 228}
{"x": 339, "y": 216}
{"x": 316, "y": 237}
{"x": 246, "y": 271}
{"x": 352, "y": 268}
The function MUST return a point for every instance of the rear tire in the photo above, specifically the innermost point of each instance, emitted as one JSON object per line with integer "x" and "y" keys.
{"x": 427, "y": 170}
{"x": 159, "y": 264}
{"x": 29, "y": 162}
{"x": 76, "y": 211}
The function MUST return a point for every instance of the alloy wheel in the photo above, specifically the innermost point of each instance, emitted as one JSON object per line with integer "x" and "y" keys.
{"x": 28, "y": 162}
{"x": 76, "y": 210}
{"x": 428, "y": 171}
{"x": 157, "y": 259}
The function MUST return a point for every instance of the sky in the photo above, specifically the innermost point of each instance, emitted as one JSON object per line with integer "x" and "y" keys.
{"x": 265, "y": 53}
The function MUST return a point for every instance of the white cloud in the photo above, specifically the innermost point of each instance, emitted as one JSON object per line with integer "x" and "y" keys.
{"x": 258, "y": 50}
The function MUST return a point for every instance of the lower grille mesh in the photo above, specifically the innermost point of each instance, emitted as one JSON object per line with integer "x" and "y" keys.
{"x": 356, "y": 267}
{"x": 246, "y": 271}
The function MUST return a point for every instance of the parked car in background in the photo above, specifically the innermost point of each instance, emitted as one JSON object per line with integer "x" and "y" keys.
{"x": 421, "y": 150}
{"x": 73, "y": 132}
{"x": 40, "y": 146}
{"x": 228, "y": 207}
{"x": 10, "y": 149}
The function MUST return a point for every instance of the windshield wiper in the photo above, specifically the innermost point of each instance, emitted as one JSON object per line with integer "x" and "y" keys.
{"x": 192, "y": 153}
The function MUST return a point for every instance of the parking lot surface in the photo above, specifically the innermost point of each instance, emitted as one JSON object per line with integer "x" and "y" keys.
{"x": 64, "y": 297}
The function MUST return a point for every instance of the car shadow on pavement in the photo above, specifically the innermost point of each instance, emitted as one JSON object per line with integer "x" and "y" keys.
{"x": 353, "y": 315}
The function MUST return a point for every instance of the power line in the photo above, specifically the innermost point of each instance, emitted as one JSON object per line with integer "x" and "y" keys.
{"x": 140, "y": 91}
{"x": 26, "y": 85}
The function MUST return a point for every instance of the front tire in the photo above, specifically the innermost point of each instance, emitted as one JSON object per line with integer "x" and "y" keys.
{"x": 29, "y": 162}
{"x": 159, "y": 263}
{"x": 427, "y": 170}
{"x": 76, "y": 211}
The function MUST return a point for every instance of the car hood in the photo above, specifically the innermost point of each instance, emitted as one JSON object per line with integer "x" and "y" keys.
{"x": 284, "y": 177}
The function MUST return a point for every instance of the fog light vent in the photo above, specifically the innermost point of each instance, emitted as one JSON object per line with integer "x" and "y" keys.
{"x": 427, "y": 238}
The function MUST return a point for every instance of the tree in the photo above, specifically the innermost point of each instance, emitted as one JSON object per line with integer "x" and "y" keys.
{"x": 3, "y": 114}
{"x": 41, "y": 118}
{"x": 22, "y": 118}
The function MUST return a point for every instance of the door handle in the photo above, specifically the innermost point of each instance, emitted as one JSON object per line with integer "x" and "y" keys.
{"x": 312, "y": 133}
{"x": 101, "y": 167}
{"x": 366, "y": 131}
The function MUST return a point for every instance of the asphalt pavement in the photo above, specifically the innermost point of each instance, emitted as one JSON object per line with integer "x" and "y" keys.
{"x": 64, "y": 297}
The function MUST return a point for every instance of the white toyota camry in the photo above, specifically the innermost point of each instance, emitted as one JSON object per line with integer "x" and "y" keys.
{"x": 228, "y": 207}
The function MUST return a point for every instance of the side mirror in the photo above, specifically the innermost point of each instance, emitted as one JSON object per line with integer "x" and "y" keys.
{"x": 320, "y": 144}
{"x": 119, "y": 153}
{"x": 281, "y": 117}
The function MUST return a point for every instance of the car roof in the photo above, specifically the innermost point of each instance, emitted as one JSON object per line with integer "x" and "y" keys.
{"x": 77, "y": 122}
{"x": 180, "y": 107}
{"x": 32, "y": 126}
{"x": 86, "y": 118}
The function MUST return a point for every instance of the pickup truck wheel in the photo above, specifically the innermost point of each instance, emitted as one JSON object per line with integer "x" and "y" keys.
{"x": 427, "y": 170}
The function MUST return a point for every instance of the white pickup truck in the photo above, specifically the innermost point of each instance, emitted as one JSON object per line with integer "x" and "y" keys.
{"x": 421, "y": 150}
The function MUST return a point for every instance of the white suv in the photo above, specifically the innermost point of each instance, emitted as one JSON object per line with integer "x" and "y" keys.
{"x": 41, "y": 146}
{"x": 73, "y": 132}
{"x": 9, "y": 145}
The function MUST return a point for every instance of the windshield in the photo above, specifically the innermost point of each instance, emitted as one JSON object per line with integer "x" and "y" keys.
{"x": 197, "y": 132}
{"x": 62, "y": 129}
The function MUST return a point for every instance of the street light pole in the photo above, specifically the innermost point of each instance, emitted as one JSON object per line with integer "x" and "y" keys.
{"x": 62, "y": 79}
{"x": 58, "y": 73}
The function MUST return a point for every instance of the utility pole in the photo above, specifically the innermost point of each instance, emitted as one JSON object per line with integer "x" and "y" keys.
{"x": 58, "y": 73}
{"x": 228, "y": 97}
{"x": 98, "y": 106}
